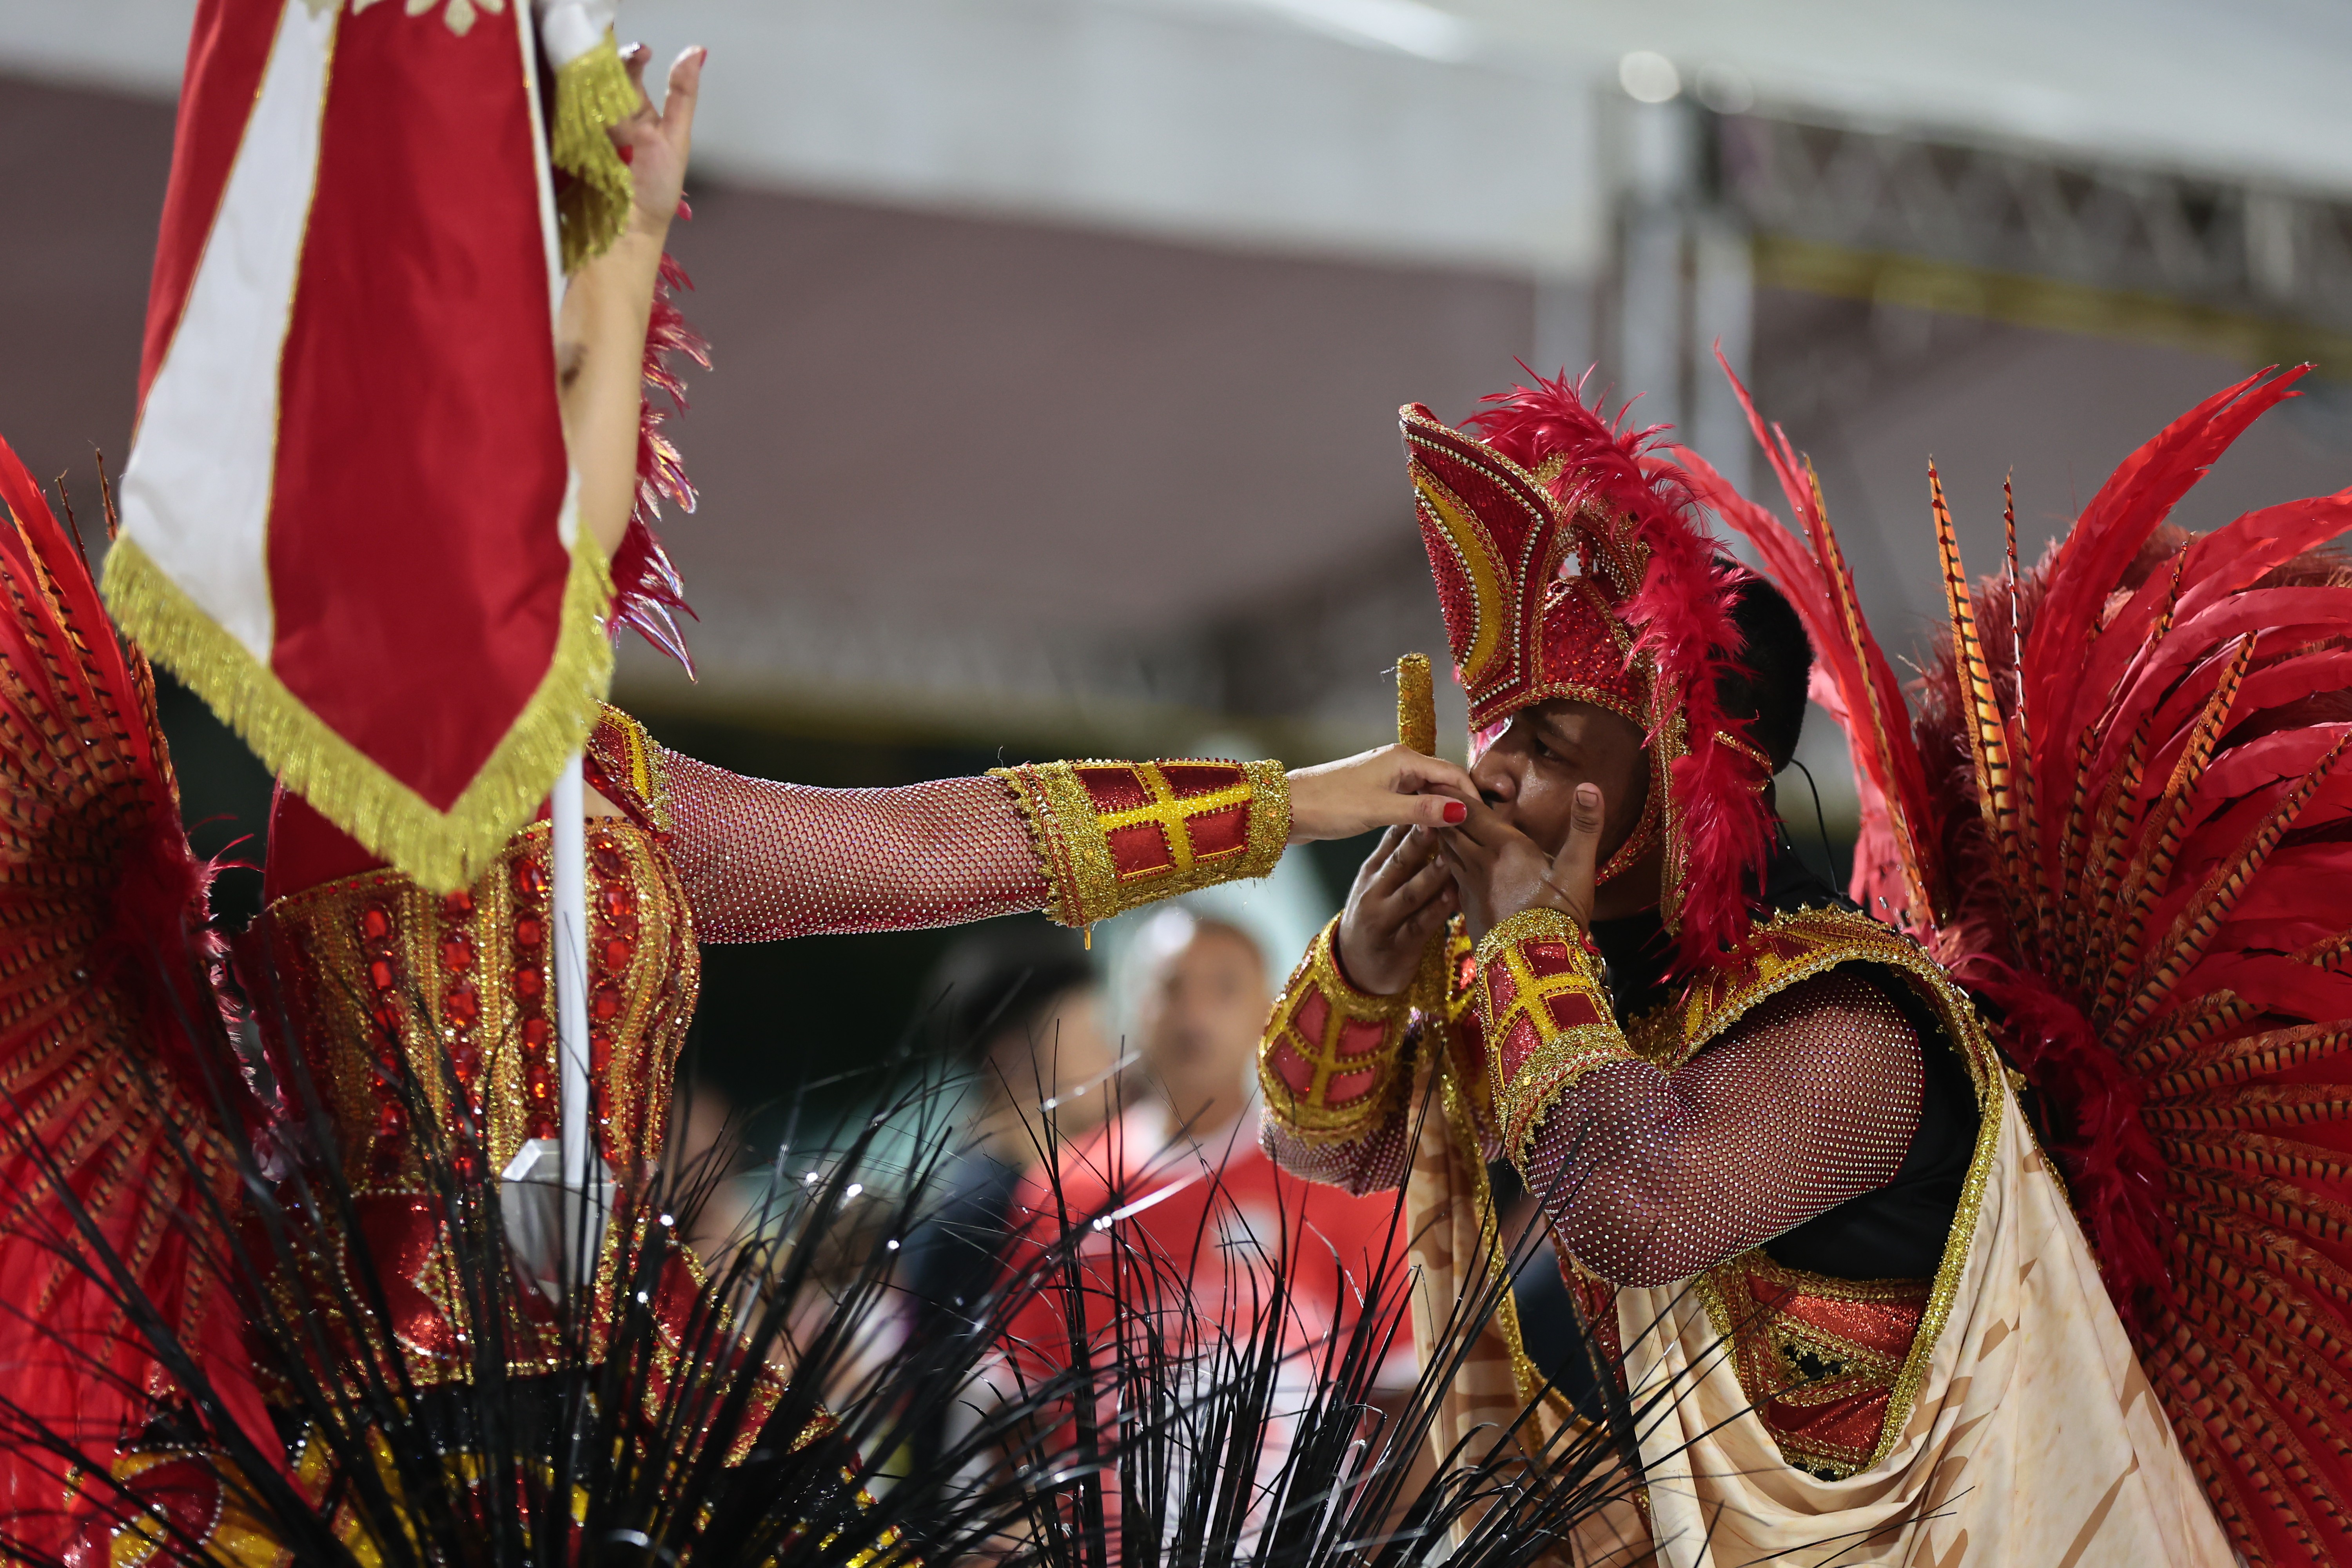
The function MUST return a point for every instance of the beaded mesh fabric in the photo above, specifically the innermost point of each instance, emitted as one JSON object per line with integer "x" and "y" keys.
{"x": 761, "y": 861}
{"x": 1652, "y": 1175}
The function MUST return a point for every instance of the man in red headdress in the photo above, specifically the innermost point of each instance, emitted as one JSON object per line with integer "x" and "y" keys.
{"x": 1761, "y": 1122}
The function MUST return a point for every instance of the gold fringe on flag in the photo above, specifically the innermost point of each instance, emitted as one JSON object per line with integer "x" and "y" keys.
{"x": 593, "y": 94}
{"x": 442, "y": 851}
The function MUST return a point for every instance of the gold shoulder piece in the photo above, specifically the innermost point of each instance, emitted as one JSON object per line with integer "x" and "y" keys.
{"x": 631, "y": 763}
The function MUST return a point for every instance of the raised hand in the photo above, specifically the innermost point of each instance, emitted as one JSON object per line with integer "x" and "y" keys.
{"x": 1382, "y": 789}
{"x": 1402, "y": 894}
{"x": 656, "y": 146}
{"x": 601, "y": 334}
{"x": 1500, "y": 870}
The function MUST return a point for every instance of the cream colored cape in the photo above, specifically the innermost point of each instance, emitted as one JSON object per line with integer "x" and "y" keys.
{"x": 2034, "y": 1440}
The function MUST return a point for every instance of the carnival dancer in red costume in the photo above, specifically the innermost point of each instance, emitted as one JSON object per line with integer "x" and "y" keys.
{"x": 1782, "y": 1149}
{"x": 396, "y": 1001}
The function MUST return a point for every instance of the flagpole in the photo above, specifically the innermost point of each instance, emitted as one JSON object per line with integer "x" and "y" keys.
{"x": 568, "y": 846}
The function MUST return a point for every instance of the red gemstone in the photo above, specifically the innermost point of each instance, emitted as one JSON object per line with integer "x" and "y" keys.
{"x": 530, "y": 877}
{"x": 616, "y": 953}
{"x": 376, "y": 923}
{"x": 387, "y": 1017}
{"x": 457, "y": 954}
{"x": 466, "y": 1063}
{"x": 606, "y": 858}
{"x": 537, "y": 1032}
{"x": 618, "y": 901}
{"x": 390, "y": 1121}
{"x": 461, "y": 1007}
{"x": 529, "y": 931}
{"x": 380, "y": 974}
{"x": 604, "y": 1002}
{"x": 458, "y": 905}
{"x": 539, "y": 1088}
{"x": 529, "y": 982}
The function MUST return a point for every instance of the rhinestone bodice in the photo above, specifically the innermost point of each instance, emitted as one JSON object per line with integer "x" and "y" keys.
{"x": 379, "y": 983}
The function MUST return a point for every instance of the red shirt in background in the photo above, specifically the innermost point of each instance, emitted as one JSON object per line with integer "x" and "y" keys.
{"x": 1218, "y": 1214}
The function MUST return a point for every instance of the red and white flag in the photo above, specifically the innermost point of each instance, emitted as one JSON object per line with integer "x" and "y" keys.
{"x": 347, "y": 518}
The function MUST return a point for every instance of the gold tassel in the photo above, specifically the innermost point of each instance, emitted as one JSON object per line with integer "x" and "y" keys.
{"x": 442, "y": 851}
{"x": 593, "y": 94}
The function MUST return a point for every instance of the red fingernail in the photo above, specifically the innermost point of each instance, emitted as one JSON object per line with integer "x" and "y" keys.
{"x": 1455, "y": 811}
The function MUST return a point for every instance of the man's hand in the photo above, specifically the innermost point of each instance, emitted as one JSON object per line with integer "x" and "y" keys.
{"x": 1391, "y": 786}
{"x": 656, "y": 146}
{"x": 1500, "y": 870}
{"x": 1403, "y": 893}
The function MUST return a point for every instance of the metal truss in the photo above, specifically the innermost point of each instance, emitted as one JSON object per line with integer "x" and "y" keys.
{"x": 2203, "y": 242}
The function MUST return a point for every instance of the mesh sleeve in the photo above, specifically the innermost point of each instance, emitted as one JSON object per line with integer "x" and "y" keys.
{"x": 1376, "y": 1162}
{"x": 761, "y": 860}
{"x": 1810, "y": 1100}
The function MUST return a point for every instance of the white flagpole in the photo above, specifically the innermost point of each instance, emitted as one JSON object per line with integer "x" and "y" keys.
{"x": 568, "y": 845}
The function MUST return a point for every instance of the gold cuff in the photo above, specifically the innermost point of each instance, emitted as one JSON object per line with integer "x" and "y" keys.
{"x": 1330, "y": 1062}
{"x": 1545, "y": 1016}
{"x": 1113, "y": 836}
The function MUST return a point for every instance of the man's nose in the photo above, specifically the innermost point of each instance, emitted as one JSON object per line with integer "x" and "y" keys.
{"x": 1497, "y": 782}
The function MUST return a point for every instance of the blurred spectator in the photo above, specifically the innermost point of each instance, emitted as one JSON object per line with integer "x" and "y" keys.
{"x": 1018, "y": 1002}
{"x": 1180, "y": 1172}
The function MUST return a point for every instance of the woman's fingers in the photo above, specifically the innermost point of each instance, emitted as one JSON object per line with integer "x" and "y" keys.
{"x": 1420, "y": 775}
{"x": 634, "y": 60}
{"x": 684, "y": 87}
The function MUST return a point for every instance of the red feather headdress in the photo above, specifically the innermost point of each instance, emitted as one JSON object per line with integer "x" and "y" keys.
{"x": 1571, "y": 561}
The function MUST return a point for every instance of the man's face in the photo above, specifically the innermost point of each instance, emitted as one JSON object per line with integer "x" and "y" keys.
{"x": 1530, "y": 773}
{"x": 1204, "y": 1006}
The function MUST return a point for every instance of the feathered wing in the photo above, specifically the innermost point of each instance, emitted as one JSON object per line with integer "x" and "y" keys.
{"x": 1898, "y": 873}
{"x": 2131, "y": 765}
{"x": 114, "y": 1165}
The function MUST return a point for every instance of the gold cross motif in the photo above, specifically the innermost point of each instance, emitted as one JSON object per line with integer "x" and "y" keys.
{"x": 1171, "y": 816}
{"x": 1530, "y": 991}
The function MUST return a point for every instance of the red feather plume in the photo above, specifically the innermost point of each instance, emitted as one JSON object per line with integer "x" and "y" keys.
{"x": 647, "y": 592}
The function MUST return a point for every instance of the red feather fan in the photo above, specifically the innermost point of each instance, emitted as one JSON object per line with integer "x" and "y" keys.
{"x": 2117, "y": 795}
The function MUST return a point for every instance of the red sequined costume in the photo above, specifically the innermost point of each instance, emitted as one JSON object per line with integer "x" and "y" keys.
{"x": 1783, "y": 1160}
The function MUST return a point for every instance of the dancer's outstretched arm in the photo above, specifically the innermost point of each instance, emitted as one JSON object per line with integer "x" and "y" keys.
{"x": 762, "y": 860}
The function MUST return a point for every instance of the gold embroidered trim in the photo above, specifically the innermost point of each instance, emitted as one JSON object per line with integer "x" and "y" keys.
{"x": 1844, "y": 936}
{"x": 633, "y": 763}
{"x": 444, "y": 851}
{"x": 1073, "y": 845}
{"x": 1561, "y": 1056}
{"x": 1310, "y": 1117}
{"x": 1765, "y": 1341}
